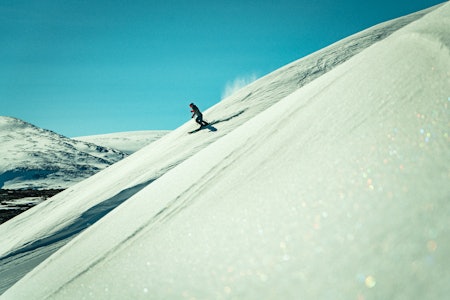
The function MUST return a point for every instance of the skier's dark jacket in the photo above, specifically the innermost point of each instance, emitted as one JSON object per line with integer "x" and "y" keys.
{"x": 196, "y": 111}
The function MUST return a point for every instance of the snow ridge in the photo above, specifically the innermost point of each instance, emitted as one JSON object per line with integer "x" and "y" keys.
{"x": 127, "y": 142}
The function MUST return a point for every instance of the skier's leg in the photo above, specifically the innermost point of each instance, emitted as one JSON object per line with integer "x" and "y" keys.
{"x": 200, "y": 121}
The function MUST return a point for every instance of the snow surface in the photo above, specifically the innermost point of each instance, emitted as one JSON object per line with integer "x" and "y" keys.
{"x": 128, "y": 142}
{"x": 327, "y": 179}
{"x": 32, "y": 157}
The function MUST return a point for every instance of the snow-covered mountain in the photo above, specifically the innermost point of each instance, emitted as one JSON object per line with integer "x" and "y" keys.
{"x": 32, "y": 157}
{"x": 327, "y": 179}
{"x": 128, "y": 142}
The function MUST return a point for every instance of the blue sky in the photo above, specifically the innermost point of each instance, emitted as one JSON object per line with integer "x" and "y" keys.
{"x": 90, "y": 67}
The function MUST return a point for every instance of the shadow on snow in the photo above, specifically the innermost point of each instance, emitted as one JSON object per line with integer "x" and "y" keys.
{"x": 86, "y": 219}
{"x": 210, "y": 126}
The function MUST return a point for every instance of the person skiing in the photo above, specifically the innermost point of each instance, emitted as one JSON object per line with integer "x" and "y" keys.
{"x": 196, "y": 112}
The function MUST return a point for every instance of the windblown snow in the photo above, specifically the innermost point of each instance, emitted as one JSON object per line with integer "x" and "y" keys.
{"x": 327, "y": 179}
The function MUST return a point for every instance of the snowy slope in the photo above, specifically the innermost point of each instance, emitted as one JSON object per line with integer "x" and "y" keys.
{"x": 308, "y": 198}
{"x": 147, "y": 165}
{"x": 31, "y": 157}
{"x": 128, "y": 142}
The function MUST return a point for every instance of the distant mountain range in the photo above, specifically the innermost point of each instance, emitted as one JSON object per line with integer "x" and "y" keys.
{"x": 32, "y": 157}
{"x": 36, "y": 158}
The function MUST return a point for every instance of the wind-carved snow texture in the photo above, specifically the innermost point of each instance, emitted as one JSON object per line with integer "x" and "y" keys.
{"x": 304, "y": 191}
{"x": 32, "y": 157}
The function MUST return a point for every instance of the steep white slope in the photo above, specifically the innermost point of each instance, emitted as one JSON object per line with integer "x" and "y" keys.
{"x": 128, "y": 142}
{"x": 338, "y": 191}
{"x": 32, "y": 157}
{"x": 114, "y": 185}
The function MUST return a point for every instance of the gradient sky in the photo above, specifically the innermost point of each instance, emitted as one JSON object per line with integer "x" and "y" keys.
{"x": 101, "y": 66}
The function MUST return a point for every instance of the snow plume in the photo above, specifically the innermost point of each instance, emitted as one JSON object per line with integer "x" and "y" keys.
{"x": 232, "y": 86}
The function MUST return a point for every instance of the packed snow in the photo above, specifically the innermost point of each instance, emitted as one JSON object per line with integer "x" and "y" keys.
{"x": 128, "y": 142}
{"x": 327, "y": 179}
{"x": 35, "y": 158}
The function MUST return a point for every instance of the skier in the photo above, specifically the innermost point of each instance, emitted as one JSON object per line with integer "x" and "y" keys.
{"x": 196, "y": 111}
